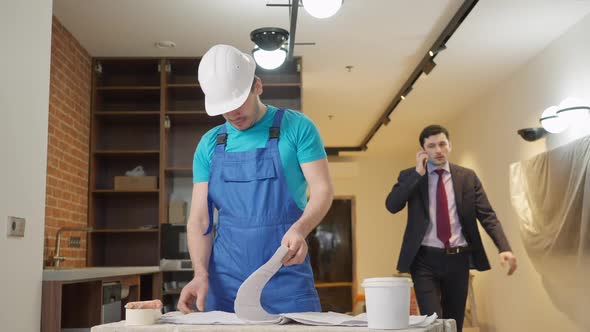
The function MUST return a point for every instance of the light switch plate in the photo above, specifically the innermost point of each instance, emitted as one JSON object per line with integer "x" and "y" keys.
{"x": 15, "y": 227}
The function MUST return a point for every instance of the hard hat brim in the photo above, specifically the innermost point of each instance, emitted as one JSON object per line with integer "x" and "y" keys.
{"x": 215, "y": 107}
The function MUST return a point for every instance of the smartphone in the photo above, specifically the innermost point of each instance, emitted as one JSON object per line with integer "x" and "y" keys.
{"x": 425, "y": 162}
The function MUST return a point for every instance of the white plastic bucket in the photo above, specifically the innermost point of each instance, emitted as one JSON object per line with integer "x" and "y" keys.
{"x": 135, "y": 317}
{"x": 388, "y": 302}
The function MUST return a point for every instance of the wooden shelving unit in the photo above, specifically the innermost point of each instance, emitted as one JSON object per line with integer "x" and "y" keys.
{"x": 151, "y": 112}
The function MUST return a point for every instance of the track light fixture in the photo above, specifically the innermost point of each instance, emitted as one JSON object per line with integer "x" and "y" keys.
{"x": 407, "y": 92}
{"x": 429, "y": 66}
{"x": 437, "y": 50}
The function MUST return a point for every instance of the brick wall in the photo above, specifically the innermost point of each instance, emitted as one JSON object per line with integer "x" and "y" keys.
{"x": 68, "y": 144}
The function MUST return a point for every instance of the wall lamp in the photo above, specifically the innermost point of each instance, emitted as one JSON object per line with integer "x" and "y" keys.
{"x": 556, "y": 119}
{"x": 270, "y": 51}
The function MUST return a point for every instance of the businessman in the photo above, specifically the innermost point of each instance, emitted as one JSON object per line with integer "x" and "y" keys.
{"x": 442, "y": 241}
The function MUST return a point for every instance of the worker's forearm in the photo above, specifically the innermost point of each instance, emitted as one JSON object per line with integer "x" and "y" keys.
{"x": 319, "y": 203}
{"x": 199, "y": 245}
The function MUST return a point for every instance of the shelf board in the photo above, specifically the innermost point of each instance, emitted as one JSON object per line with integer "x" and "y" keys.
{"x": 183, "y": 85}
{"x": 172, "y": 291}
{"x": 179, "y": 170}
{"x": 196, "y": 116}
{"x": 127, "y": 88}
{"x": 195, "y": 112}
{"x": 126, "y": 152}
{"x": 126, "y": 113}
{"x": 279, "y": 84}
{"x": 113, "y": 191}
{"x": 126, "y": 230}
{"x": 131, "y": 118}
{"x": 332, "y": 284}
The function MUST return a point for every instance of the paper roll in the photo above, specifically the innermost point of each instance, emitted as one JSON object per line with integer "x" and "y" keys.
{"x": 124, "y": 292}
{"x": 134, "y": 317}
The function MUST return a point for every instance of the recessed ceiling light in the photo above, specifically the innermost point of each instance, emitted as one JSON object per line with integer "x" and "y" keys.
{"x": 165, "y": 44}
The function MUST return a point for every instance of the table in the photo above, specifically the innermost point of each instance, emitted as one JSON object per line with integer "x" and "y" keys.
{"x": 446, "y": 325}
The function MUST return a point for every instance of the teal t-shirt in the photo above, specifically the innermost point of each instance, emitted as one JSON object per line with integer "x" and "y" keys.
{"x": 299, "y": 142}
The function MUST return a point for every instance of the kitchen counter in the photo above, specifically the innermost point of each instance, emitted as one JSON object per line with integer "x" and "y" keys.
{"x": 73, "y": 298}
{"x": 87, "y": 273}
{"x": 440, "y": 325}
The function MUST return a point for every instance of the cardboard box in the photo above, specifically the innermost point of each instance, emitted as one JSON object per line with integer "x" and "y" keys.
{"x": 136, "y": 182}
{"x": 177, "y": 212}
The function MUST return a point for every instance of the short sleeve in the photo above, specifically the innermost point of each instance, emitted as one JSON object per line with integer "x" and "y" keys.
{"x": 309, "y": 142}
{"x": 202, "y": 157}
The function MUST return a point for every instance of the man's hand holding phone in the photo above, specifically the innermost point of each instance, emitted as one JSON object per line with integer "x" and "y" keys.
{"x": 421, "y": 160}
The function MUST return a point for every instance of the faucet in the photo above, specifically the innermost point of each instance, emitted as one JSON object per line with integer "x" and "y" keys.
{"x": 57, "y": 258}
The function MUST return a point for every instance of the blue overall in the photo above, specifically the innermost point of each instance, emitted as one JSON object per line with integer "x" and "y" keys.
{"x": 256, "y": 209}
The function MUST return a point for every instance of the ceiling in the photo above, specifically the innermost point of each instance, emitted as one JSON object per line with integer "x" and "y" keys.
{"x": 383, "y": 40}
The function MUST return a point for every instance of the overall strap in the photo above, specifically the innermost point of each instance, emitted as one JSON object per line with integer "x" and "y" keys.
{"x": 221, "y": 140}
{"x": 275, "y": 130}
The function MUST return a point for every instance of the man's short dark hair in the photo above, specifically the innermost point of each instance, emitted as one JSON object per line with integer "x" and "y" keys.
{"x": 432, "y": 130}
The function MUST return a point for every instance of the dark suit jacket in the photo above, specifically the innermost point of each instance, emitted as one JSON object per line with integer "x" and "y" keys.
{"x": 472, "y": 203}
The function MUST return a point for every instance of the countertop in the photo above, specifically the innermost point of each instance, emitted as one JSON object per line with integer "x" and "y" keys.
{"x": 88, "y": 273}
{"x": 438, "y": 326}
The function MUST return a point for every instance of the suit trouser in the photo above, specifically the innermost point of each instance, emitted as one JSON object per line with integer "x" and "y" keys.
{"x": 440, "y": 283}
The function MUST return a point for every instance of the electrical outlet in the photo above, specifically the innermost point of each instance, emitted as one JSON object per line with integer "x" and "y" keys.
{"x": 74, "y": 242}
{"x": 15, "y": 227}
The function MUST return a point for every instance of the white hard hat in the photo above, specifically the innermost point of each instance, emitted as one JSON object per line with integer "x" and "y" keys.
{"x": 225, "y": 75}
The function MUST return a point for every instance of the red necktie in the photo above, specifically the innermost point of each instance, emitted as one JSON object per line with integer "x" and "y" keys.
{"x": 443, "y": 221}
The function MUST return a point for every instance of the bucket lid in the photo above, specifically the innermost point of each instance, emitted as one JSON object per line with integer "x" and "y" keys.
{"x": 386, "y": 282}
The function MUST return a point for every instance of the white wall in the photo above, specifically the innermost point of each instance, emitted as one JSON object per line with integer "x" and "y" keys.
{"x": 378, "y": 233}
{"x": 25, "y": 29}
{"x": 484, "y": 138}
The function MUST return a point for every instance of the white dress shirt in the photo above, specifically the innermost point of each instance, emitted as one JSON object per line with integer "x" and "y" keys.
{"x": 431, "y": 239}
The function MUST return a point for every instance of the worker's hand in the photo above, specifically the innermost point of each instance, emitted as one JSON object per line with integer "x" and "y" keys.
{"x": 508, "y": 257}
{"x": 295, "y": 241}
{"x": 194, "y": 291}
{"x": 421, "y": 159}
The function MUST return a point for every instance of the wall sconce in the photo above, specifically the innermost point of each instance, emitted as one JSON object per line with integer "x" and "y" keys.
{"x": 556, "y": 119}
{"x": 269, "y": 52}
{"x": 532, "y": 134}
{"x": 570, "y": 111}
{"x": 321, "y": 8}
{"x": 573, "y": 111}
{"x": 551, "y": 122}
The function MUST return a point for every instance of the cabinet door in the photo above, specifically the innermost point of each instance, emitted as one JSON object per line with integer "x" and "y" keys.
{"x": 331, "y": 255}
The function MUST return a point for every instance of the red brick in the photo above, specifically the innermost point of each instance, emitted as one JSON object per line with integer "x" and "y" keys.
{"x": 68, "y": 139}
